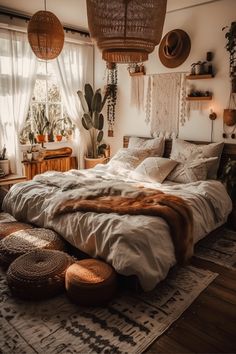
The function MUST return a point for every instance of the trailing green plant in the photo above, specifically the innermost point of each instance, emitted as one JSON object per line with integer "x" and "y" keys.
{"x": 111, "y": 96}
{"x": 230, "y": 46}
{"x": 93, "y": 120}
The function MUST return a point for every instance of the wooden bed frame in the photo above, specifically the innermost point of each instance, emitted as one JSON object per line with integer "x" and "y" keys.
{"x": 229, "y": 150}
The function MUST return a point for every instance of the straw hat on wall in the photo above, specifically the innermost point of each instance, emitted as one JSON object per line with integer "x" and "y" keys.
{"x": 174, "y": 48}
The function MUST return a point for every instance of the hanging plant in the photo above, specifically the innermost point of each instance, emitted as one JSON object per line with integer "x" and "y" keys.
{"x": 111, "y": 96}
{"x": 230, "y": 46}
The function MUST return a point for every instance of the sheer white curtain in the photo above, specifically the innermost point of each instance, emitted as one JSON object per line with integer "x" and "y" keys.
{"x": 74, "y": 68}
{"x": 18, "y": 67}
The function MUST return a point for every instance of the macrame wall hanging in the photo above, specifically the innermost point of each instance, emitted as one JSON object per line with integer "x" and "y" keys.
{"x": 165, "y": 103}
{"x": 137, "y": 92}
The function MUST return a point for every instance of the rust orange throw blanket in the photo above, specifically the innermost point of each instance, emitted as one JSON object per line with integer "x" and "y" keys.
{"x": 174, "y": 210}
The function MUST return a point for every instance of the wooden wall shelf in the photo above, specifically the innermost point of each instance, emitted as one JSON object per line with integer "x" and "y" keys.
{"x": 203, "y": 98}
{"x": 141, "y": 73}
{"x": 199, "y": 77}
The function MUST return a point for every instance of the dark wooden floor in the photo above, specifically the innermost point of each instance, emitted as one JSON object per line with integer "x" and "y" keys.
{"x": 209, "y": 324}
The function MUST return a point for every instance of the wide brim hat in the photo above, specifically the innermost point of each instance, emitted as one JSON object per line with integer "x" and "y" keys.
{"x": 174, "y": 48}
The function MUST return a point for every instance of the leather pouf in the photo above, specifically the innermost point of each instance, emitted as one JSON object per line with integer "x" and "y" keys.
{"x": 7, "y": 228}
{"x": 25, "y": 241}
{"x": 39, "y": 274}
{"x": 90, "y": 282}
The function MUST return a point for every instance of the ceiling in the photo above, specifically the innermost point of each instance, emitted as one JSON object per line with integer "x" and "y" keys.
{"x": 73, "y": 12}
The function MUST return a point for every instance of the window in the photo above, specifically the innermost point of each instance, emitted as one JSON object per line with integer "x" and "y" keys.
{"x": 47, "y": 114}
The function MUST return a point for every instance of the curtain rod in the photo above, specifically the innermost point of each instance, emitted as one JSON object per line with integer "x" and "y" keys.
{"x": 27, "y": 18}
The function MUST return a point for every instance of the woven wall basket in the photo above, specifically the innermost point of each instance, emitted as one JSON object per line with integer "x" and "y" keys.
{"x": 45, "y": 35}
{"x": 126, "y": 30}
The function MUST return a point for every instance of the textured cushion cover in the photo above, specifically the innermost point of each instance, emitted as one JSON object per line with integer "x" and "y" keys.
{"x": 25, "y": 241}
{"x": 5, "y": 217}
{"x": 8, "y": 227}
{"x": 90, "y": 282}
{"x": 155, "y": 144}
{"x": 183, "y": 150}
{"x": 39, "y": 274}
{"x": 128, "y": 158}
{"x": 153, "y": 169}
{"x": 191, "y": 171}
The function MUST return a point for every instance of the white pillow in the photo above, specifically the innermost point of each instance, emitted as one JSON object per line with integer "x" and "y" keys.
{"x": 191, "y": 171}
{"x": 183, "y": 151}
{"x": 128, "y": 159}
{"x": 157, "y": 144}
{"x": 153, "y": 169}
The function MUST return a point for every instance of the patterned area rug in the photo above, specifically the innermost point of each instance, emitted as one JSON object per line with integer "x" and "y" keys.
{"x": 220, "y": 248}
{"x": 129, "y": 324}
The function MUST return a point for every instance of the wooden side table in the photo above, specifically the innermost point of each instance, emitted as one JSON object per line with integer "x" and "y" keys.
{"x": 11, "y": 179}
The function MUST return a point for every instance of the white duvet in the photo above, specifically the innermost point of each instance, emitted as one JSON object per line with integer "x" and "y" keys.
{"x": 133, "y": 245}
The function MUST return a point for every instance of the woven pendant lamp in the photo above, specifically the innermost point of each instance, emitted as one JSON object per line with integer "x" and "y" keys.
{"x": 45, "y": 35}
{"x": 126, "y": 30}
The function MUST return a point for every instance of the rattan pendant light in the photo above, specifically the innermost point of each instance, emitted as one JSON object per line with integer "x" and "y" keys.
{"x": 45, "y": 34}
{"x": 126, "y": 30}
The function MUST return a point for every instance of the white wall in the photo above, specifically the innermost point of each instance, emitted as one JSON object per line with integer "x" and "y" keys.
{"x": 204, "y": 25}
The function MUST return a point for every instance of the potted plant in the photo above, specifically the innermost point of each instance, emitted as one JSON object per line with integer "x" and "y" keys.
{"x": 4, "y": 162}
{"x": 93, "y": 121}
{"x": 230, "y": 46}
{"x": 41, "y": 124}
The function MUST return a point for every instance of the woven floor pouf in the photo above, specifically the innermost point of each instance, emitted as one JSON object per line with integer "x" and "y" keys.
{"x": 39, "y": 274}
{"x": 7, "y": 228}
{"x": 25, "y": 241}
{"x": 91, "y": 282}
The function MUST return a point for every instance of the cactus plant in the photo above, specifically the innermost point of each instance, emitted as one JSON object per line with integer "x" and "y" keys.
{"x": 93, "y": 120}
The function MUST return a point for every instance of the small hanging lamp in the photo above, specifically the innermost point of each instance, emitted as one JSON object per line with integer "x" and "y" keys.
{"x": 126, "y": 30}
{"x": 45, "y": 35}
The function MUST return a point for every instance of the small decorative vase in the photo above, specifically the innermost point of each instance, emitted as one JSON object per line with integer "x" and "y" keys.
{"x": 4, "y": 165}
{"x": 29, "y": 156}
{"x": 58, "y": 137}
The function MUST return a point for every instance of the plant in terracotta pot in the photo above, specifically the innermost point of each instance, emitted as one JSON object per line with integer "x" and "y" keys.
{"x": 93, "y": 120}
{"x": 41, "y": 123}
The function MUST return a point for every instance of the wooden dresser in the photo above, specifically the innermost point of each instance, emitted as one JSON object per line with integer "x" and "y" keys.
{"x": 62, "y": 164}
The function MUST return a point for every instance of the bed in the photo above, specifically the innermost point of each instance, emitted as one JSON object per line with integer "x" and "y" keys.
{"x": 135, "y": 245}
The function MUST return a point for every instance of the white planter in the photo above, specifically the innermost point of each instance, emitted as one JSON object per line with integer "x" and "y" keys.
{"x": 4, "y": 165}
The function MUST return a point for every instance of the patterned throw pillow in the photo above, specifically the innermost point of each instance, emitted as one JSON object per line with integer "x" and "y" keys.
{"x": 155, "y": 144}
{"x": 191, "y": 171}
{"x": 183, "y": 151}
{"x": 153, "y": 169}
{"x": 129, "y": 159}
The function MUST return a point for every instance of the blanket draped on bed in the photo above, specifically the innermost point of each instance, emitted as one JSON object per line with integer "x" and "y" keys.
{"x": 122, "y": 198}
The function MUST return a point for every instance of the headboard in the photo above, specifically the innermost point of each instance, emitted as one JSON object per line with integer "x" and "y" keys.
{"x": 229, "y": 150}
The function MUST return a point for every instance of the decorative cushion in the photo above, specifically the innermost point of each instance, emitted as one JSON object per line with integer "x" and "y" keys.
{"x": 25, "y": 241}
{"x": 191, "y": 171}
{"x": 90, "y": 282}
{"x": 5, "y": 217}
{"x": 153, "y": 169}
{"x": 39, "y": 274}
{"x": 127, "y": 158}
{"x": 8, "y": 227}
{"x": 183, "y": 150}
{"x": 157, "y": 144}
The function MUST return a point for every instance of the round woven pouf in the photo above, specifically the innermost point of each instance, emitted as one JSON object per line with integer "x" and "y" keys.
{"x": 90, "y": 282}
{"x": 25, "y": 241}
{"x": 39, "y": 274}
{"x": 7, "y": 228}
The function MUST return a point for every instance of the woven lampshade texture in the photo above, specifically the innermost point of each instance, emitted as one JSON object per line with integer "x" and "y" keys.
{"x": 126, "y": 30}
{"x": 45, "y": 35}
